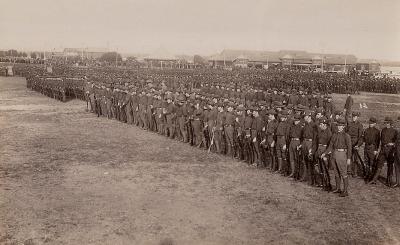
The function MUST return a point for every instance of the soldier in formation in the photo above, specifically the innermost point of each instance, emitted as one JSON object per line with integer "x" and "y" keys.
{"x": 294, "y": 132}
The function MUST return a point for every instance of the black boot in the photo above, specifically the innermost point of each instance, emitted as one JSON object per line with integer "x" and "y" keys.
{"x": 304, "y": 172}
{"x": 337, "y": 190}
{"x": 292, "y": 170}
{"x": 279, "y": 165}
{"x": 376, "y": 176}
{"x": 344, "y": 193}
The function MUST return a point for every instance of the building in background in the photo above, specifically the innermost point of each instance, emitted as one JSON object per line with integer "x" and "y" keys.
{"x": 284, "y": 59}
{"x": 85, "y": 53}
{"x": 368, "y": 66}
{"x": 339, "y": 63}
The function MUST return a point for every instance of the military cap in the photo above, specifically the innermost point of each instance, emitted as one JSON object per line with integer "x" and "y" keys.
{"x": 169, "y": 96}
{"x": 181, "y": 97}
{"x": 271, "y": 112}
{"x": 341, "y": 121}
{"x": 308, "y": 112}
{"x": 355, "y": 114}
{"x": 302, "y": 108}
{"x": 337, "y": 112}
{"x": 249, "y": 108}
{"x": 262, "y": 102}
{"x": 323, "y": 120}
{"x": 240, "y": 108}
{"x": 256, "y": 108}
{"x": 284, "y": 113}
{"x": 297, "y": 108}
{"x": 388, "y": 120}
{"x": 297, "y": 117}
{"x": 277, "y": 104}
{"x": 289, "y": 106}
{"x": 319, "y": 110}
{"x": 372, "y": 120}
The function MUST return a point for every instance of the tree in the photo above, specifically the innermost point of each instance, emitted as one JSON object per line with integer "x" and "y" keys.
{"x": 111, "y": 57}
{"x": 12, "y": 53}
{"x": 198, "y": 60}
{"x": 33, "y": 56}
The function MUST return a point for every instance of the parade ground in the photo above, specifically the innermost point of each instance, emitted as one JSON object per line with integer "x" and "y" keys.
{"x": 69, "y": 177}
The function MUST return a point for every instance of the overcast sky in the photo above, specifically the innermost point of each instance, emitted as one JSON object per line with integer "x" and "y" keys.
{"x": 366, "y": 28}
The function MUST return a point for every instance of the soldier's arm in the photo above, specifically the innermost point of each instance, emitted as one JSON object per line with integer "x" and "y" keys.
{"x": 329, "y": 149}
{"x": 287, "y": 134}
{"x": 349, "y": 146}
{"x": 360, "y": 135}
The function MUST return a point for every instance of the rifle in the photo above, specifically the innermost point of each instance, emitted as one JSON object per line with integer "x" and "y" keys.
{"x": 361, "y": 162}
{"x": 87, "y": 102}
{"x": 238, "y": 146}
{"x": 205, "y": 136}
{"x": 212, "y": 140}
{"x": 189, "y": 130}
{"x": 298, "y": 163}
{"x": 325, "y": 172}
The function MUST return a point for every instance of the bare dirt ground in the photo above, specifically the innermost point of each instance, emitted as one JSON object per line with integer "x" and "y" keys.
{"x": 68, "y": 177}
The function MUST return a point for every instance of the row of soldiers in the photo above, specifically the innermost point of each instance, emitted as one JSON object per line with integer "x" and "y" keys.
{"x": 304, "y": 142}
{"x": 256, "y": 79}
{"x": 60, "y": 88}
{"x": 245, "y": 121}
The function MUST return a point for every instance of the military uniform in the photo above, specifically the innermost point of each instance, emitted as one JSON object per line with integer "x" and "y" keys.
{"x": 372, "y": 140}
{"x": 387, "y": 153}
{"x": 340, "y": 148}
{"x": 170, "y": 116}
{"x": 247, "y": 140}
{"x": 307, "y": 147}
{"x": 270, "y": 140}
{"x": 282, "y": 139}
{"x": 239, "y": 133}
{"x": 294, "y": 135}
{"x": 256, "y": 130}
{"x": 229, "y": 130}
{"x": 355, "y": 130}
{"x": 323, "y": 138}
{"x": 197, "y": 124}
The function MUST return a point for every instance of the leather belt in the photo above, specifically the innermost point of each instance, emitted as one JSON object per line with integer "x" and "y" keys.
{"x": 310, "y": 140}
{"x": 389, "y": 144}
{"x": 341, "y": 150}
{"x": 295, "y": 139}
{"x": 322, "y": 145}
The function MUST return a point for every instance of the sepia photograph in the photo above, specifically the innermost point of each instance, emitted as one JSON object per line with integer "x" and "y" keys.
{"x": 213, "y": 122}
